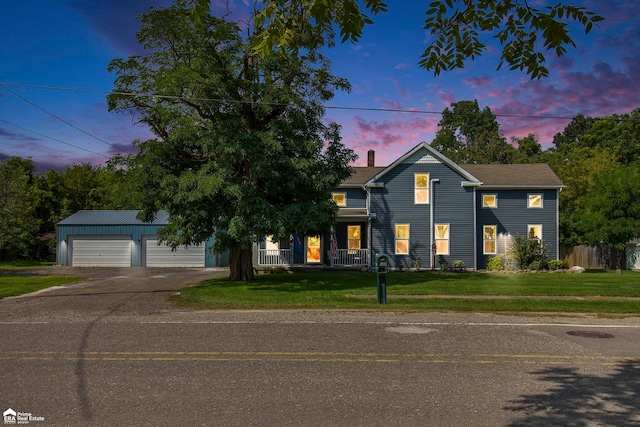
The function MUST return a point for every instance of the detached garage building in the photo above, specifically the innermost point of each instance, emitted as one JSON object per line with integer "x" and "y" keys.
{"x": 116, "y": 238}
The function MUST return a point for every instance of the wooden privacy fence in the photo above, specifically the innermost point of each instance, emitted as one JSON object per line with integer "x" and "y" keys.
{"x": 603, "y": 257}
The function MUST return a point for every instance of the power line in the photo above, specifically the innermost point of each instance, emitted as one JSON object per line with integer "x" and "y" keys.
{"x": 55, "y": 116}
{"x": 54, "y": 139}
{"x": 332, "y": 107}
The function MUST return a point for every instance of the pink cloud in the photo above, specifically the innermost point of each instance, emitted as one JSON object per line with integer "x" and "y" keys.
{"x": 390, "y": 138}
{"x": 479, "y": 82}
{"x": 596, "y": 91}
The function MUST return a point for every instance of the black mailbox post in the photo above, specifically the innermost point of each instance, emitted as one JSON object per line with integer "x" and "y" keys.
{"x": 382, "y": 266}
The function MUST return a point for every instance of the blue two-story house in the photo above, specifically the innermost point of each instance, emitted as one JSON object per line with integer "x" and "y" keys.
{"x": 424, "y": 210}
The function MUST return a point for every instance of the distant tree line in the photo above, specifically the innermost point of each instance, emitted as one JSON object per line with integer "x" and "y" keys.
{"x": 31, "y": 204}
{"x": 598, "y": 159}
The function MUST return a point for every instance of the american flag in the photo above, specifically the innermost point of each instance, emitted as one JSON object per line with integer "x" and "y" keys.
{"x": 334, "y": 245}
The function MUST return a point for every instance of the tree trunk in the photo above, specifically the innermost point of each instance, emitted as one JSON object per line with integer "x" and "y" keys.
{"x": 240, "y": 264}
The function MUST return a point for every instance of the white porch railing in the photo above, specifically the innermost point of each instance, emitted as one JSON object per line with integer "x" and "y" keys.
{"x": 351, "y": 257}
{"x": 275, "y": 257}
{"x": 344, "y": 257}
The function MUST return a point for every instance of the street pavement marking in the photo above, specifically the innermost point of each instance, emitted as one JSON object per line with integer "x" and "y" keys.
{"x": 315, "y": 357}
{"x": 343, "y": 322}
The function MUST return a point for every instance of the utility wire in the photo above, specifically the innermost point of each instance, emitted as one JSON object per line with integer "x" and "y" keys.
{"x": 332, "y": 107}
{"x": 54, "y": 139}
{"x": 2, "y": 85}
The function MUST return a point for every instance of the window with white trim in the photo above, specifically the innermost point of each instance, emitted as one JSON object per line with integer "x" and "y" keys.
{"x": 489, "y": 240}
{"x": 489, "y": 200}
{"x": 442, "y": 239}
{"x": 421, "y": 188}
{"x": 402, "y": 239}
{"x": 534, "y": 201}
{"x": 353, "y": 238}
{"x": 535, "y": 231}
{"x": 339, "y": 199}
{"x": 313, "y": 249}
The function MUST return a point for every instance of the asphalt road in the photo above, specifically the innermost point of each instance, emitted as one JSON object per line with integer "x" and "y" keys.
{"x": 112, "y": 351}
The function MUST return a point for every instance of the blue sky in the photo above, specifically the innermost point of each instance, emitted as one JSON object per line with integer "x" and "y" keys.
{"x": 52, "y": 46}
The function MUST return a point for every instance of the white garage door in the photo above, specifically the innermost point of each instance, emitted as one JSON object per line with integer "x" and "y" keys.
{"x": 160, "y": 255}
{"x": 96, "y": 252}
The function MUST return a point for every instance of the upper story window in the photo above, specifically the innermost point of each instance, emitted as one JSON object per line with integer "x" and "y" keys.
{"x": 340, "y": 199}
{"x": 421, "y": 188}
{"x": 489, "y": 200}
{"x": 534, "y": 201}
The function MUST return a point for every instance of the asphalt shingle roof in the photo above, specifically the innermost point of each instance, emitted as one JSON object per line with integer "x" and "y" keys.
{"x": 112, "y": 217}
{"x": 362, "y": 175}
{"x": 515, "y": 175}
{"x": 518, "y": 175}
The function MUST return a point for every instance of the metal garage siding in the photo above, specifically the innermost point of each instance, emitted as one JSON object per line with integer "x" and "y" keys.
{"x": 97, "y": 252}
{"x": 161, "y": 255}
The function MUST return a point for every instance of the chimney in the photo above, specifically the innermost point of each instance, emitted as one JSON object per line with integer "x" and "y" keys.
{"x": 371, "y": 158}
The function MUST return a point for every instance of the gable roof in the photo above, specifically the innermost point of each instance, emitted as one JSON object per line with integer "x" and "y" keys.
{"x": 112, "y": 217}
{"x": 531, "y": 175}
{"x": 361, "y": 175}
{"x": 434, "y": 154}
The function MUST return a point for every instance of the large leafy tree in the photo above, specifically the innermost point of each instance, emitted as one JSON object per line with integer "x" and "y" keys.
{"x": 459, "y": 29}
{"x": 612, "y": 214}
{"x": 470, "y": 135}
{"x": 18, "y": 223}
{"x": 240, "y": 149}
{"x": 597, "y": 159}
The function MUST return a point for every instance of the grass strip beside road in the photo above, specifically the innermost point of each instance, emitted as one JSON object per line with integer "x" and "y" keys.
{"x": 411, "y": 291}
{"x": 19, "y": 285}
{"x": 17, "y": 278}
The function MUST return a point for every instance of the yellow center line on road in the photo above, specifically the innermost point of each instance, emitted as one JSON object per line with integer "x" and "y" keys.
{"x": 315, "y": 357}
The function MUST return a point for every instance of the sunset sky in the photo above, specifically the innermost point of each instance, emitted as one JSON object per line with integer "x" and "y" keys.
{"x": 55, "y": 53}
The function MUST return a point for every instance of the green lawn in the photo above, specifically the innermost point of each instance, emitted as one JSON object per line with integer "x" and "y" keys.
{"x": 349, "y": 290}
{"x": 18, "y": 285}
{"x": 14, "y": 282}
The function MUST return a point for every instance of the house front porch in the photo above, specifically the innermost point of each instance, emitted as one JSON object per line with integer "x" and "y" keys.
{"x": 347, "y": 246}
{"x": 340, "y": 258}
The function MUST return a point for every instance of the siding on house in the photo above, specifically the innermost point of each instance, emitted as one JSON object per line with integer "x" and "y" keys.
{"x": 356, "y": 197}
{"x": 512, "y": 216}
{"x": 394, "y": 204}
{"x": 379, "y": 198}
